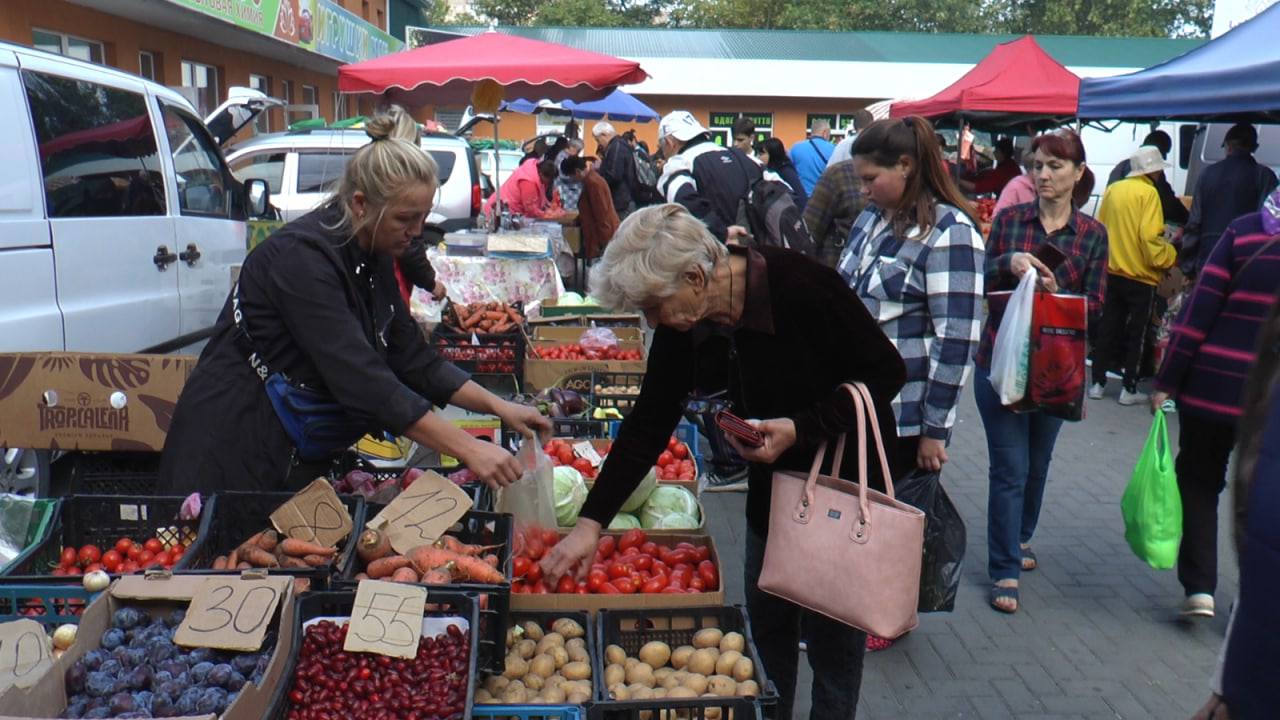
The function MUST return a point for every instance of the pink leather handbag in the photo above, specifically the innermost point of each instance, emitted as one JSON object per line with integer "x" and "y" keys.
{"x": 843, "y": 549}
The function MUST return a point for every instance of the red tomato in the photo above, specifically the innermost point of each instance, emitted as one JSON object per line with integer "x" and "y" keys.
{"x": 566, "y": 585}
{"x": 550, "y": 538}
{"x": 535, "y": 549}
{"x": 534, "y": 574}
{"x": 520, "y": 566}
{"x": 69, "y": 556}
{"x": 165, "y": 558}
{"x": 145, "y": 557}
{"x": 650, "y": 548}
{"x": 564, "y": 455}
{"x": 129, "y": 566}
{"x": 643, "y": 562}
{"x": 626, "y": 586}
{"x": 695, "y": 583}
{"x": 89, "y": 554}
{"x": 154, "y": 545}
{"x": 122, "y": 545}
{"x": 659, "y": 567}
{"x": 92, "y": 567}
{"x": 703, "y": 553}
{"x": 654, "y": 585}
{"x": 673, "y": 442}
{"x": 679, "y": 556}
{"x": 709, "y": 574}
{"x": 582, "y": 589}
{"x": 539, "y": 588}
{"x": 583, "y": 466}
{"x": 134, "y": 552}
{"x": 673, "y": 590}
{"x": 609, "y": 589}
{"x": 519, "y": 588}
{"x": 680, "y": 450}
{"x": 112, "y": 560}
{"x": 60, "y": 570}
{"x": 178, "y": 550}
{"x": 607, "y": 545}
{"x": 74, "y": 570}
{"x": 632, "y": 538}
{"x": 618, "y": 570}
{"x": 596, "y": 579}
{"x": 665, "y": 459}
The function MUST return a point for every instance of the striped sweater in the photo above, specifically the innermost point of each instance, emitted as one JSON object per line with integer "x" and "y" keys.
{"x": 1214, "y": 340}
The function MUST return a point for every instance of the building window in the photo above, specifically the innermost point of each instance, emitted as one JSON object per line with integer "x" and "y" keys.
{"x": 69, "y": 45}
{"x": 364, "y": 10}
{"x": 97, "y": 148}
{"x": 310, "y": 102}
{"x": 381, "y": 20}
{"x": 203, "y": 81}
{"x": 147, "y": 65}
{"x": 262, "y": 84}
{"x": 721, "y": 126}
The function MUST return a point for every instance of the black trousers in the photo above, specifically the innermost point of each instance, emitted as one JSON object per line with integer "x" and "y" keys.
{"x": 1204, "y": 448}
{"x": 1125, "y": 316}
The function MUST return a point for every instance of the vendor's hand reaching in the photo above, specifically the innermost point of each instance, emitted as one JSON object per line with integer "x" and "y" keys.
{"x": 493, "y": 464}
{"x": 576, "y": 547}
{"x": 779, "y": 435}
{"x": 524, "y": 420}
{"x": 1023, "y": 263}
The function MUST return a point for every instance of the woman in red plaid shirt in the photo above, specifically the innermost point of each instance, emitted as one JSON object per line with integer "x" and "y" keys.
{"x": 1020, "y": 445}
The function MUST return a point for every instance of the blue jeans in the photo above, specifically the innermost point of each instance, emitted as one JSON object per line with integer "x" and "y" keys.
{"x": 835, "y": 649}
{"x": 1019, "y": 446}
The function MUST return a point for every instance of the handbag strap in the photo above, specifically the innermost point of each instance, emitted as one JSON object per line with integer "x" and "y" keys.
{"x": 864, "y": 410}
{"x": 257, "y": 361}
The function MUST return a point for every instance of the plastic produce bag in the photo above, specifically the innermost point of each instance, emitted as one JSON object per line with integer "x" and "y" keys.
{"x": 1151, "y": 505}
{"x": 1011, "y": 356}
{"x": 531, "y": 499}
{"x": 944, "y": 539}
{"x": 18, "y": 519}
{"x": 598, "y": 339}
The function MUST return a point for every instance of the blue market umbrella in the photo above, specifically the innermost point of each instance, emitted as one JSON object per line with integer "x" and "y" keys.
{"x": 618, "y": 105}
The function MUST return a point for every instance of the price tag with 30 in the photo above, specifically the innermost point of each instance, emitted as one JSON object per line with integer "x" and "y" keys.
{"x": 386, "y": 619}
{"x": 231, "y": 613}
{"x": 24, "y": 653}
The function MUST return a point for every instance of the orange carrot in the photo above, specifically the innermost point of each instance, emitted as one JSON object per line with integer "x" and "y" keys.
{"x": 495, "y": 315}
{"x": 316, "y": 560}
{"x": 243, "y": 566}
{"x": 515, "y": 316}
{"x": 372, "y": 545}
{"x": 405, "y": 575}
{"x": 257, "y": 556}
{"x": 268, "y": 540}
{"x": 439, "y": 576}
{"x": 427, "y": 557}
{"x": 292, "y": 562}
{"x": 491, "y": 559}
{"x": 300, "y": 548}
{"x": 453, "y": 544}
{"x": 382, "y": 567}
{"x": 220, "y": 562}
{"x": 253, "y": 539}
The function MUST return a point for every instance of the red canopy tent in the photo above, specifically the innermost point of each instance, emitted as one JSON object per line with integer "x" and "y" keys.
{"x": 1017, "y": 84}
{"x": 445, "y": 73}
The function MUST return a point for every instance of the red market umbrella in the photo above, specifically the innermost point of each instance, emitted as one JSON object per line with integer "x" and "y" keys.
{"x": 1017, "y": 84}
{"x": 446, "y": 73}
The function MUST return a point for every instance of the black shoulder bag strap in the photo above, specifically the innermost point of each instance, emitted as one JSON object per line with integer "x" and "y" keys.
{"x": 825, "y": 158}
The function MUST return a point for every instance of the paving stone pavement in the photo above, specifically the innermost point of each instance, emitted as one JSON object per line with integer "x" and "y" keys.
{"x": 1097, "y": 635}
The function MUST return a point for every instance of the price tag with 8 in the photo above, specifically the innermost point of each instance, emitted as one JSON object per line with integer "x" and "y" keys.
{"x": 24, "y": 653}
{"x": 422, "y": 513}
{"x": 231, "y": 613}
{"x": 315, "y": 514}
{"x": 386, "y": 618}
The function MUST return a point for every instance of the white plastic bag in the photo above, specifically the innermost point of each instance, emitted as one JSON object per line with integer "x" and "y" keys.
{"x": 1011, "y": 356}
{"x": 531, "y": 499}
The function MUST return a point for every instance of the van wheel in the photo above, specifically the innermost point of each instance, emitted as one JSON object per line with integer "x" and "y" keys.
{"x": 24, "y": 471}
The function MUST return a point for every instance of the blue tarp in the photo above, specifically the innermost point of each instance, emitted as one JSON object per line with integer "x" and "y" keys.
{"x": 1231, "y": 77}
{"x": 618, "y": 105}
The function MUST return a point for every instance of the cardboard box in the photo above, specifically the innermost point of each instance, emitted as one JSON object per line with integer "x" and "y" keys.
{"x": 89, "y": 401}
{"x": 48, "y": 697}
{"x": 562, "y": 334}
{"x": 592, "y": 603}
{"x": 575, "y": 375}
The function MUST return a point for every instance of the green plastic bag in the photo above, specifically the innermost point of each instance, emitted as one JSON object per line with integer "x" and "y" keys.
{"x": 1151, "y": 506}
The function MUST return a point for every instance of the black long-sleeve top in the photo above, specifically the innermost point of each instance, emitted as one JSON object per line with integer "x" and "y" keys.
{"x": 328, "y": 315}
{"x": 802, "y": 334}
{"x": 414, "y": 264}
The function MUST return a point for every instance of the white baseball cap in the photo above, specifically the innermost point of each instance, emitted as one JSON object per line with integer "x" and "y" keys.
{"x": 1147, "y": 159}
{"x": 680, "y": 124}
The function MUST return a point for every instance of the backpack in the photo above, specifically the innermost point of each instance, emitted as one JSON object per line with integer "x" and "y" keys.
{"x": 646, "y": 181}
{"x": 774, "y": 219}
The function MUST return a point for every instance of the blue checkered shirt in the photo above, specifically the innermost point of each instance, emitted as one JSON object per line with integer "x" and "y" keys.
{"x": 926, "y": 293}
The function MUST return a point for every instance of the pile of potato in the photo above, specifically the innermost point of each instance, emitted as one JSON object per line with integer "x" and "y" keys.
{"x": 714, "y": 666}
{"x": 542, "y": 668}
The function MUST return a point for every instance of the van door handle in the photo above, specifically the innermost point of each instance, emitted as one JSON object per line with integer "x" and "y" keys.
{"x": 163, "y": 257}
{"x": 191, "y": 255}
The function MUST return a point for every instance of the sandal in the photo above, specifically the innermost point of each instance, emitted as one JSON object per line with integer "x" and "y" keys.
{"x": 1029, "y": 561}
{"x": 1001, "y": 592}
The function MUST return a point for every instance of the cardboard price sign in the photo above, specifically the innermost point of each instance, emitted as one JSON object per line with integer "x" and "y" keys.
{"x": 231, "y": 613}
{"x": 386, "y": 619}
{"x": 422, "y": 513}
{"x": 24, "y": 653}
{"x": 315, "y": 514}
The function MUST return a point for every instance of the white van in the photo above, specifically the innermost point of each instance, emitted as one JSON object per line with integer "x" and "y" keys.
{"x": 120, "y": 223}
{"x": 119, "y": 220}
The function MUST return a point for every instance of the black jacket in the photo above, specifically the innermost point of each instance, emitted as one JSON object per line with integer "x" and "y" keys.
{"x": 329, "y": 316}
{"x": 1227, "y": 189}
{"x": 618, "y": 168}
{"x": 710, "y": 181}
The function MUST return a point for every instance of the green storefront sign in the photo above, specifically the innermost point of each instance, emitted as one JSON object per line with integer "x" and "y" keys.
{"x": 726, "y": 119}
{"x": 321, "y": 26}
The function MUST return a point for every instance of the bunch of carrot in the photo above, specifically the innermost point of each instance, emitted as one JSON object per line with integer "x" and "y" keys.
{"x": 267, "y": 550}
{"x": 490, "y": 317}
{"x": 448, "y": 560}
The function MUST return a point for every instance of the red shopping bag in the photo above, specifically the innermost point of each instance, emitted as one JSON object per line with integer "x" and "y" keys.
{"x": 1057, "y": 378}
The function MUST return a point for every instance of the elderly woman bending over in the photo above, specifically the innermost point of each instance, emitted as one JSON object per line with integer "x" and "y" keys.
{"x": 780, "y": 333}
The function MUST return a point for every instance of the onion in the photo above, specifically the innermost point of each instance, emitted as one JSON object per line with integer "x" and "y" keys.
{"x": 64, "y": 636}
{"x": 96, "y": 581}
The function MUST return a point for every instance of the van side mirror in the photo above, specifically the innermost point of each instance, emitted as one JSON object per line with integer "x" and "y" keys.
{"x": 258, "y": 194}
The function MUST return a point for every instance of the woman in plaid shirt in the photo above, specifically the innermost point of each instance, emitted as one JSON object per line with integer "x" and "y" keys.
{"x": 1020, "y": 445}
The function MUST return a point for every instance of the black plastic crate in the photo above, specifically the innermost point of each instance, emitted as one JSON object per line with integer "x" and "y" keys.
{"x": 475, "y": 528}
{"x": 112, "y": 473}
{"x": 239, "y": 515}
{"x": 631, "y": 629}
{"x": 493, "y": 354}
{"x": 481, "y": 496}
{"x": 101, "y": 520}
{"x": 545, "y": 618}
{"x": 580, "y": 428}
{"x": 606, "y": 390}
{"x": 446, "y": 602}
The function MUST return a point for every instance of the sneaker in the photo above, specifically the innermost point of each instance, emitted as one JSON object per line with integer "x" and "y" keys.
{"x": 1169, "y": 406}
{"x": 1132, "y": 398}
{"x": 1096, "y": 390}
{"x": 733, "y": 481}
{"x": 1198, "y": 605}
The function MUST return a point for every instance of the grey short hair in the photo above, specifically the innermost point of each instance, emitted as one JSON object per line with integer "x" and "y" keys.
{"x": 652, "y": 250}
{"x": 820, "y": 126}
{"x": 603, "y": 128}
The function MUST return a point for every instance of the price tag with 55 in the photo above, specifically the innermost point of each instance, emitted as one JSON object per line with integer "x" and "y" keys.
{"x": 386, "y": 618}
{"x": 422, "y": 513}
{"x": 231, "y": 613}
{"x": 24, "y": 653}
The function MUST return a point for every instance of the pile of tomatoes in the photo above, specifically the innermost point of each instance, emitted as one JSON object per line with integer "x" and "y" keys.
{"x": 622, "y": 565}
{"x": 673, "y": 463}
{"x": 126, "y": 556}
{"x": 574, "y": 351}
{"x": 561, "y": 453}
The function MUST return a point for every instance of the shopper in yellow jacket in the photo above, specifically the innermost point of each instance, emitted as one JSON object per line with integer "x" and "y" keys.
{"x": 1137, "y": 257}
